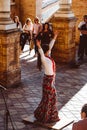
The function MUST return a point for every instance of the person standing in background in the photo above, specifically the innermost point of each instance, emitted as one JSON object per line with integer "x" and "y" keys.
{"x": 82, "y": 46}
{"x": 37, "y": 28}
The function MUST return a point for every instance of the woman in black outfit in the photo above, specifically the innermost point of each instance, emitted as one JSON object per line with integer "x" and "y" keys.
{"x": 46, "y": 34}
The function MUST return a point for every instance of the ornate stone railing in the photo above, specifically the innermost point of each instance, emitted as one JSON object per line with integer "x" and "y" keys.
{"x": 48, "y": 9}
{"x": 47, "y": 2}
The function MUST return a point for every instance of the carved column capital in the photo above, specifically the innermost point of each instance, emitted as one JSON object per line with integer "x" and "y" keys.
{"x": 65, "y": 9}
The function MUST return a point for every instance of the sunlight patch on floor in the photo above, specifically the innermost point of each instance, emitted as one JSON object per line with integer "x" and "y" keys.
{"x": 72, "y": 108}
{"x": 27, "y": 55}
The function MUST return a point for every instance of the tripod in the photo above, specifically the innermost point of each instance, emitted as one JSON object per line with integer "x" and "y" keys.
{"x": 7, "y": 113}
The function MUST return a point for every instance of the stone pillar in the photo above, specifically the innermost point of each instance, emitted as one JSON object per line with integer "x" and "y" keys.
{"x": 5, "y": 21}
{"x": 10, "y": 73}
{"x": 65, "y": 21}
{"x": 30, "y": 9}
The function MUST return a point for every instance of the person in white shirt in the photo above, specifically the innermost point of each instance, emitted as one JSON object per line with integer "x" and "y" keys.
{"x": 28, "y": 27}
{"x": 47, "y": 111}
{"x": 27, "y": 32}
{"x": 37, "y": 28}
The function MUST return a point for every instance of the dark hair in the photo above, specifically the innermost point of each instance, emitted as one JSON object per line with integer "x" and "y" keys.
{"x": 84, "y": 109}
{"x": 45, "y": 48}
{"x": 45, "y": 24}
{"x": 17, "y": 23}
{"x": 50, "y": 27}
{"x": 85, "y": 16}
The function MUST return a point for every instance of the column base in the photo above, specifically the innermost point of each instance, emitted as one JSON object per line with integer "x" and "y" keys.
{"x": 10, "y": 71}
{"x": 7, "y": 27}
{"x": 64, "y": 15}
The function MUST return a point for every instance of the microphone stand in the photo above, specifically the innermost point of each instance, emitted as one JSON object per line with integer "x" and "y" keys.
{"x": 7, "y": 113}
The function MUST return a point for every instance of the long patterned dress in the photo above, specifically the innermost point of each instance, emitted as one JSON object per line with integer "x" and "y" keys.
{"x": 47, "y": 111}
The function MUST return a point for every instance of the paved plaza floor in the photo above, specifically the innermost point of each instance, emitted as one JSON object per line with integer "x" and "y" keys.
{"x": 22, "y": 100}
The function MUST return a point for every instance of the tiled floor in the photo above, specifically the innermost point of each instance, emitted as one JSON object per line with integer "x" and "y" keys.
{"x": 71, "y": 85}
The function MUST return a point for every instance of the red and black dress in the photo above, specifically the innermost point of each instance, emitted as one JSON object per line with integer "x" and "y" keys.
{"x": 47, "y": 111}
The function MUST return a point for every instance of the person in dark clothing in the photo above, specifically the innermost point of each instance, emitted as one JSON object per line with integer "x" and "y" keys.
{"x": 46, "y": 34}
{"x": 83, "y": 39}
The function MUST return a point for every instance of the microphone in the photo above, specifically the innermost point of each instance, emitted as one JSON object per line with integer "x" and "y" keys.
{"x": 2, "y": 87}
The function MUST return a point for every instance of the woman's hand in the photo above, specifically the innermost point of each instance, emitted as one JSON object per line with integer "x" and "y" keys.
{"x": 56, "y": 34}
{"x": 38, "y": 43}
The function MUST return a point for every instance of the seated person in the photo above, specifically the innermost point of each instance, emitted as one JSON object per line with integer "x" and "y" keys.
{"x": 81, "y": 124}
{"x": 18, "y": 23}
{"x": 27, "y": 33}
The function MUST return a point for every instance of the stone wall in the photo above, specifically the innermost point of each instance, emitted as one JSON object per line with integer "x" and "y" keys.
{"x": 15, "y": 8}
{"x": 10, "y": 73}
{"x": 27, "y": 9}
{"x": 23, "y": 9}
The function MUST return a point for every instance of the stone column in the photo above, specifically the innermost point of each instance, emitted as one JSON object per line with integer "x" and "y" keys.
{"x": 5, "y": 21}
{"x": 10, "y": 73}
{"x": 65, "y": 21}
